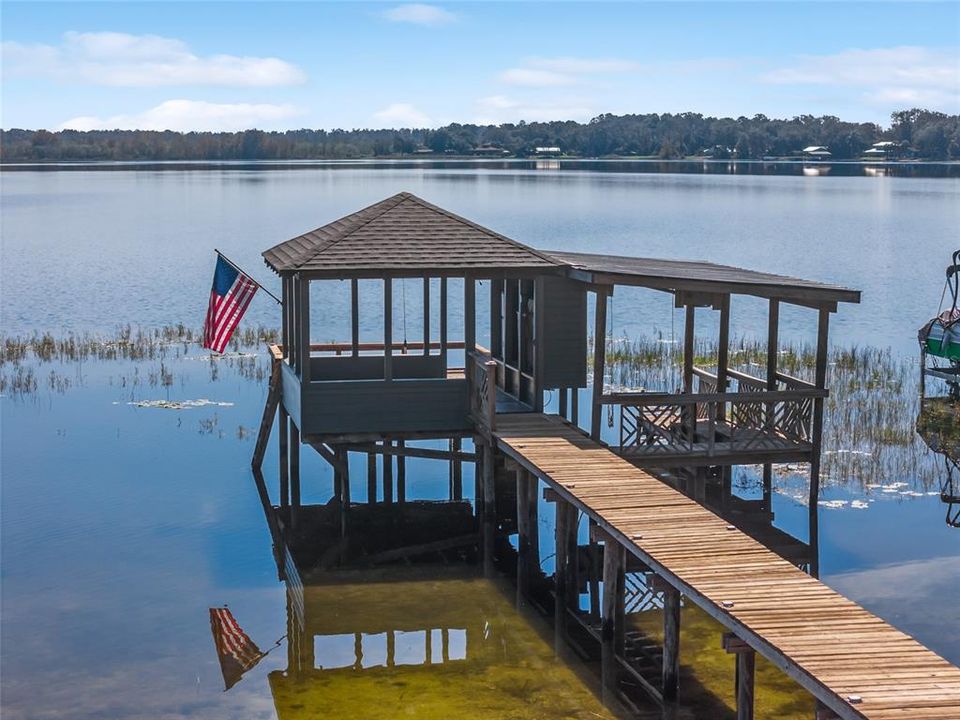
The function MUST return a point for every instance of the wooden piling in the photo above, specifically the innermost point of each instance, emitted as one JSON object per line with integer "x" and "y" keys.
{"x": 671, "y": 643}
{"x": 523, "y": 536}
{"x": 387, "y": 474}
{"x": 560, "y": 573}
{"x": 294, "y": 464}
{"x": 371, "y": 478}
{"x": 401, "y": 474}
{"x": 613, "y": 564}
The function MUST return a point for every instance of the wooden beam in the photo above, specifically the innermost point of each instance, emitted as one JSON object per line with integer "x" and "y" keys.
{"x": 401, "y": 472}
{"x": 469, "y": 314}
{"x": 575, "y": 405}
{"x": 285, "y": 313}
{"x": 355, "y": 317}
{"x": 670, "y": 676}
{"x": 284, "y": 445}
{"x": 746, "y": 665}
{"x": 387, "y": 462}
{"x": 426, "y": 315}
{"x": 371, "y": 478}
{"x": 688, "y": 348}
{"x": 820, "y": 380}
{"x": 456, "y": 469}
{"x": 613, "y": 565}
{"x": 496, "y": 318}
{"x": 443, "y": 322}
{"x": 560, "y": 575}
{"x": 489, "y": 509}
{"x": 723, "y": 353}
{"x": 773, "y": 343}
{"x": 387, "y": 329}
{"x": 595, "y": 571}
{"x": 523, "y": 536}
{"x": 599, "y": 361}
{"x": 294, "y": 464}
{"x": 304, "y": 346}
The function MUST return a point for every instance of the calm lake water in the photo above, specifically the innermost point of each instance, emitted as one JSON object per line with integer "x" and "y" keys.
{"x": 122, "y": 523}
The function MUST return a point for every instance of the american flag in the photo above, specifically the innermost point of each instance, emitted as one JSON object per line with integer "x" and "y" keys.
{"x": 237, "y": 652}
{"x": 231, "y": 294}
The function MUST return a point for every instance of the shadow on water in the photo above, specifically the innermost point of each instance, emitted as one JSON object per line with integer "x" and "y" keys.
{"x": 389, "y": 613}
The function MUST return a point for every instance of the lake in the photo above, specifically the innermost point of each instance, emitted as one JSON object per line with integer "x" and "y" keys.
{"x": 125, "y": 518}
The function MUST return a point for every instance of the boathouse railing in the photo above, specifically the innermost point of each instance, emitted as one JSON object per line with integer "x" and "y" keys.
{"x": 711, "y": 424}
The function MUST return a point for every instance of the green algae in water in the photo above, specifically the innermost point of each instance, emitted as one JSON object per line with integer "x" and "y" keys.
{"x": 499, "y": 665}
{"x": 707, "y": 671}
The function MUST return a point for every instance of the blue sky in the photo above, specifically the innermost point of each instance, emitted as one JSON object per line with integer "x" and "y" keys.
{"x": 230, "y": 66}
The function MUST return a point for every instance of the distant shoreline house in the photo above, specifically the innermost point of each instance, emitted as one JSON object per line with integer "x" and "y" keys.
{"x": 816, "y": 152}
{"x": 547, "y": 151}
{"x": 887, "y": 150}
{"x": 489, "y": 151}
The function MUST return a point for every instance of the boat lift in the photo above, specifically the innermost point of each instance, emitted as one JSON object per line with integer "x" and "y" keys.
{"x": 940, "y": 337}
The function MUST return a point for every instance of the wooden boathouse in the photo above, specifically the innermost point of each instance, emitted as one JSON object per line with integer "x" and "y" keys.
{"x": 384, "y": 398}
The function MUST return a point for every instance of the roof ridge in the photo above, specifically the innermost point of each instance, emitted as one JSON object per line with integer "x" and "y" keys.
{"x": 311, "y": 253}
{"x": 477, "y": 226}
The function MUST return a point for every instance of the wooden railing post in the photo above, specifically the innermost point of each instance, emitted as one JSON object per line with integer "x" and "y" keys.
{"x": 491, "y": 400}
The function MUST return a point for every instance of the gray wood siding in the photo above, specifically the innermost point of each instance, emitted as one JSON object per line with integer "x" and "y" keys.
{"x": 370, "y": 367}
{"x": 382, "y": 407}
{"x": 562, "y": 305}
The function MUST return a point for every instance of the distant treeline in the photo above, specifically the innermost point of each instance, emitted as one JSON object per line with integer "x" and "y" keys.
{"x": 924, "y": 133}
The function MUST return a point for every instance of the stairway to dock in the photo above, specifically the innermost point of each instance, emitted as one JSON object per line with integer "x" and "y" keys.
{"x": 849, "y": 659}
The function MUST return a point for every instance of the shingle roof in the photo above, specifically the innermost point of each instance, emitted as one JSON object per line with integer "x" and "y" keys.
{"x": 403, "y": 233}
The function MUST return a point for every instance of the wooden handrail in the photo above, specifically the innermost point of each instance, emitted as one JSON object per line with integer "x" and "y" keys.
{"x": 705, "y": 374}
{"x": 794, "y": 382}
{"x": 737, "y": 375}
{"x": 641, "y": 399}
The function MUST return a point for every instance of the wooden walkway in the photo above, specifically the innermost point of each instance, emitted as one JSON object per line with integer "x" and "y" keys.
{"x": 848, "y": 658}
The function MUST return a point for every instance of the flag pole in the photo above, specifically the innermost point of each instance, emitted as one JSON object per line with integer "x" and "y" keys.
{"x": 241, "y": 270}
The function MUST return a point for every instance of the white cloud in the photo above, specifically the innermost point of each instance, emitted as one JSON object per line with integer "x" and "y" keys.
{"x": 532, "y": 77}
{"x": 554, "y": 72}
{"x": 402, "y": 115}
{"x": 583, "y": 65}
{"x": 420, "y": 14}
{"x": 884, "y": 76}
{"x": 186, "y": 115}
{"x": 498, "y": 109}
{"x": 120, "y": 59}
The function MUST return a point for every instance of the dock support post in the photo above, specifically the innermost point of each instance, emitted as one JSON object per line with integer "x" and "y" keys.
{"x": 575, "y": 406}
{"x": 599, "y": 361}
{"x": 371, "y": 478}
{"x": 401, "y": 474}
{"x": 594, "y": 581}
{"x": 523, "y": 536}
{"x": 688, "y": 347}
{"x": 562, "y": 402}
{"x": 561, "y": 574}
{"x": 344, "y": 486}
{"x": 284, "y": 427}
{"x": 489, "y": 509}
{"x": 746, "y": 666}
{"x": 823, "y": 330}
{"x": 456, "y": 472}
{"x": 613, "y": 565}
{"x": 746, "y": 662}
{"x": 387, "y": 473}
{"x": 294, "y": 492}
{"x": 671, "y": 642}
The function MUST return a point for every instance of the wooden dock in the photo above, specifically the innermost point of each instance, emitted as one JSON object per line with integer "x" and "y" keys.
{"x": 850, "y": 660}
